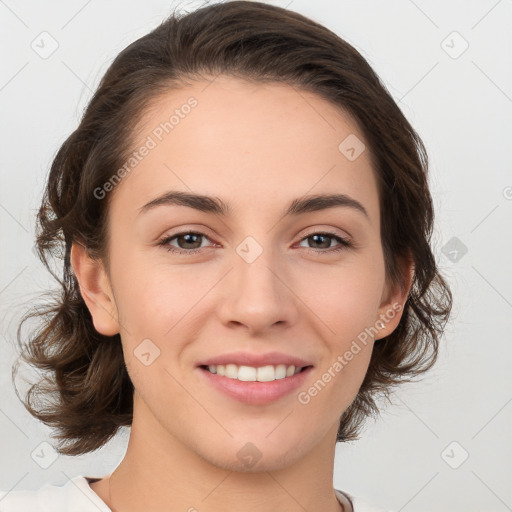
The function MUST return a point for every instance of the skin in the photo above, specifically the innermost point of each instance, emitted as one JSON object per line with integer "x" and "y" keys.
{"x": 257, "y": 147}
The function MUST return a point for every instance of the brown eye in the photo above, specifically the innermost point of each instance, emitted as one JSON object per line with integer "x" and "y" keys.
{"x": 323, "y": 241}
{"x": 187, "y": 242}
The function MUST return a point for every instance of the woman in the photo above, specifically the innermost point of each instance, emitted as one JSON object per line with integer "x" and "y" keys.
{"x": 245, "y": 219}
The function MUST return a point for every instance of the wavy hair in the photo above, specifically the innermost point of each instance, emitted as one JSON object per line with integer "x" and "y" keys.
{"x": 85, "y": 374}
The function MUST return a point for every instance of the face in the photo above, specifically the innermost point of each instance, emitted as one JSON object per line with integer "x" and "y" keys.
{"x": 255, "y": 286}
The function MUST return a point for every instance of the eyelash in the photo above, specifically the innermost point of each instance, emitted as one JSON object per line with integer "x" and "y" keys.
{"x": 343, "y": 243}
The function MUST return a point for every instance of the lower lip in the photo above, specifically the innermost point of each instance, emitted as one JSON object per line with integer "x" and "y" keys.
{"x": 256, "y": 393}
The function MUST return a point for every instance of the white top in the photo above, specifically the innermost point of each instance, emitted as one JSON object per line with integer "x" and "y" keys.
{"x": 77, "y": 496}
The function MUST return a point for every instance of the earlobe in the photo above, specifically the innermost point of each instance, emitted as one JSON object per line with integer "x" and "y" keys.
{"x": 392, "y": 306}
{"x": 95, "y": 290}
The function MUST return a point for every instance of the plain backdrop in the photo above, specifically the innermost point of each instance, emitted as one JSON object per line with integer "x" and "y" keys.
{"x": 445, "y": 443}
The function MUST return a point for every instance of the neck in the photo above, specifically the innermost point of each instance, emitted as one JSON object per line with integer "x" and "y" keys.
{"x": 159, "y": 470}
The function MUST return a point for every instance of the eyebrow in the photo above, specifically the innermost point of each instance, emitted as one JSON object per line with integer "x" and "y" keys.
{"x": 216, "y": 206}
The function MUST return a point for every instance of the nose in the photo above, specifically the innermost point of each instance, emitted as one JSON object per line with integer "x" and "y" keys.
{"x": 258, "y": 295}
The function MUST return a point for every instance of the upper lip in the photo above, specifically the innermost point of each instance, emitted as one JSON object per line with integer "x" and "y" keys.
{"x": 256, "y": 360}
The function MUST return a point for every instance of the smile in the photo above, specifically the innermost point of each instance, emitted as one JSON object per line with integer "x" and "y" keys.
{"x": 266, "y": 373}
{"x": 239, "y": 382}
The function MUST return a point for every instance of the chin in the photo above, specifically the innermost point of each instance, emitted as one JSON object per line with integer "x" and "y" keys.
{"x": 274, "y": 462}
{"x": 245, "y": 456}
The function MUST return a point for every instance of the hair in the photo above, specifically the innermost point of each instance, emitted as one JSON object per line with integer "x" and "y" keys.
{"x": 259, "y": 43}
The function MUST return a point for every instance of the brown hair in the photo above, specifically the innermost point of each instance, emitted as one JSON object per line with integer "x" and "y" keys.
{"x": 257, "y": 42}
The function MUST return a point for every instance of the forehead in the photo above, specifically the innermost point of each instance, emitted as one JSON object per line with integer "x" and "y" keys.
{"x": 255, "y": 145}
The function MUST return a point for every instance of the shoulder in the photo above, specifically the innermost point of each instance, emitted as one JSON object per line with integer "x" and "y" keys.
{"x": 76, "y": 494}
{"x": 358, "y": 503}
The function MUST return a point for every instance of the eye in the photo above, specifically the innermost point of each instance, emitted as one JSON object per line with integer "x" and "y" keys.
{"x": 319, "y": 238}
{"x": 189, "y": 242}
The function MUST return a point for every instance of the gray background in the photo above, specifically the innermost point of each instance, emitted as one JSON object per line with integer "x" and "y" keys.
{"x": 414, "y": 457}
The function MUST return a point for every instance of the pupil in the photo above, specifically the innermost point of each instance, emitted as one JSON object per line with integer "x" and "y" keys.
{"x": 188, "y": 237}
{"x": 315, "y": 237}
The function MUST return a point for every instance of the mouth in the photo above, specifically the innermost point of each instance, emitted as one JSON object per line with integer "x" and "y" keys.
{"x": 251, "y": 385}
{"x": 267, "y": 373}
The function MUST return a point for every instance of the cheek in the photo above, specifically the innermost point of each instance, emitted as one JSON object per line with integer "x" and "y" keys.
{"x": 347, "y": 302}
{"x": 346, "y": 298}
{"x": 352, "y": 315}
{"x": 151, "y": 298}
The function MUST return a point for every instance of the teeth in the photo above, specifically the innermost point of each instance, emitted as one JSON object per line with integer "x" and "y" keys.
{"x": 252, "y": 374}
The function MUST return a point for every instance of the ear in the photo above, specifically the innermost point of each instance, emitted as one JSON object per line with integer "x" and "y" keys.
{"x": 393, "y": 301}
{"x": 95, "y": 289}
